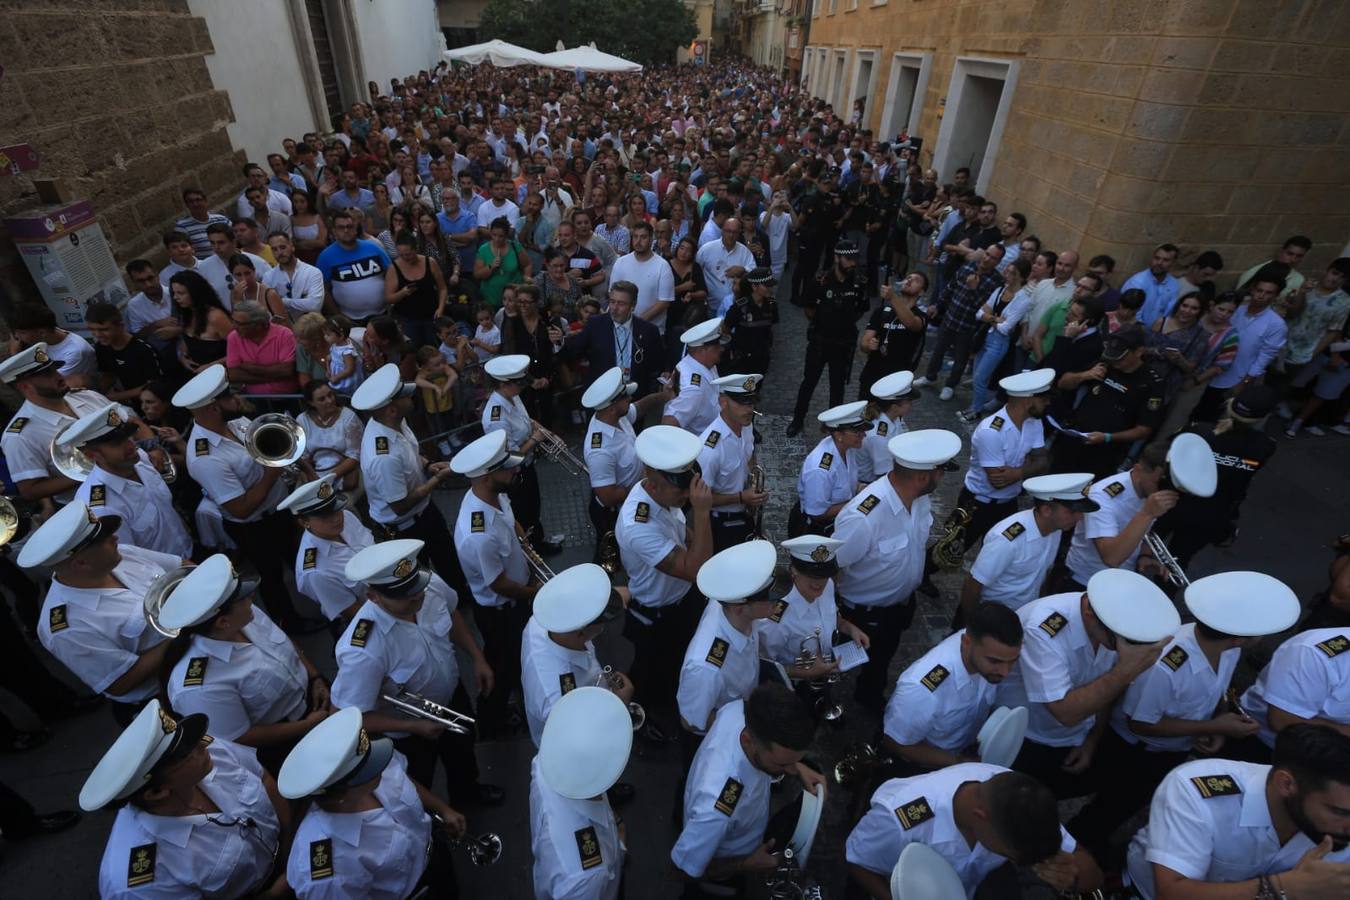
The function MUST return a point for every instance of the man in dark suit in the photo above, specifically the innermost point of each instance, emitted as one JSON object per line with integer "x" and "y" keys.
{"x": 620, "y": 339}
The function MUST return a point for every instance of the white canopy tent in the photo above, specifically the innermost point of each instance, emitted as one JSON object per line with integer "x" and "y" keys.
{"x": 589, "y": 59}
{"x": 499, "y": 53}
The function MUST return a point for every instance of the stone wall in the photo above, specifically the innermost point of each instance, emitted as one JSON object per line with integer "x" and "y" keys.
{"x": 115, "y": 97}
{"x": 1211, "y": 123}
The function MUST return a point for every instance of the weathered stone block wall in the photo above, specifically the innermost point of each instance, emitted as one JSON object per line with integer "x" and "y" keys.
{"x": 115, "y": 97}
{"x": 1210, "y": 123}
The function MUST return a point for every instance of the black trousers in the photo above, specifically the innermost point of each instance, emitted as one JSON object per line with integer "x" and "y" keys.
{"x": 18, "y": 819}
{"x": 525, "y": 502}
{"x": 27, "y": 603}
{"x": 453, "y": 751}
{"x": 819, "y": 354}
{"x": 959, "y": 344}
{"x": 884, "y": 625}
{"x": 658, "y": 649}
{"x": 809, "y": 251}
{"x": 22, "y": 669}
{"x": 1045, "y": 763}
{"x": 501, "y": 627}
{"x": 1130, "y": 773}
{"x": 800, "y": 523}
{"x": 438, "y": 881}
{"x": 439, "y": 553}
{"x": 1072, "y": 455}
{"x": 603, "y": 521}
{"x": 269, "y": 545}
{"x": 729, "y": 529}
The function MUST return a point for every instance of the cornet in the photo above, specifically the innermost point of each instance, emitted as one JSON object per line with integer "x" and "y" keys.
{"x": 542, "y": 571}
{"x": 274, "y": 440}
{"x": 613, "y": 681}
{"x": 484, "y": 849}
{"x": 556, "y": 449}
{"x": 420, "y": 707}
{"x": 159, "y": 591}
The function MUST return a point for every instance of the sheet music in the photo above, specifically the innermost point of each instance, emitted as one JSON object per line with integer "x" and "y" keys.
{"x": 850, "y": 655}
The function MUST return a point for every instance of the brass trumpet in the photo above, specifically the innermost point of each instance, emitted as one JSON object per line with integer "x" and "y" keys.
{"x": 613, "y": 682}
{"x": 542, "y": 571}
{"x": 420, "y": 707}
{"x": 950, "y": 550}
{"x": 1176, "y": 575}
{"x": 556, "y": 449}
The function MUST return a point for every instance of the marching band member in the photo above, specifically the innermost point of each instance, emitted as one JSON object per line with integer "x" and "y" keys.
{"x": 333, "y": 534}
{"x": 943, "y": 697}
{"x": 1112, "y": 536}
{"x": 1019, "y": 551}
{"x": 1079, "y": 654}
{"x": 246, "y": 491}
{"x": 1177, "y": 705}
{"x": 726, "y": 797}
{"x": 397, "y": 477}
{"x": 1004, "y": 449}
{"x": 230, "y": 663}
{"x": 1222, "y": 828}
{"x": 196, "y": 817}
{"x": 808, "y": 609}
{"x": 829, "y": 477}
{"x": 662, "y": 553}
{"x": 368, "y": 831}
{"x": 93, "y": 618}
{"x": 400, "y": 640}
{"x": 487, "y": 538}
{"x": 978, "y": 817}
{"x": 558, "y": 652}
{"x": 884, "y": 531}
{"x": 695, "y": 404}
{"x": 608, "y": 451}
{"x": 1307, "y": 680}
{"x": 578, "y": 843}
{"x": 895, "y": 396}
{"x": 49, "y": 406}
{"x": 727, "y": 456}
{"x": 505, "y": 412}
{"x": 721, "y": 663}
{"x": 124, "y": 482}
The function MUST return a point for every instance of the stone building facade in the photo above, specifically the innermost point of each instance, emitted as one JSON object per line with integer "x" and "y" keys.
{"x": 1115, "y": 125}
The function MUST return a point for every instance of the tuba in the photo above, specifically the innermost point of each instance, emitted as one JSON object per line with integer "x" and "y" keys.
{"x": 275, "y": 440}
{"x": 950, "y": 549}
{"x": 756, "y": 517}
{"x": 159, "y": 591}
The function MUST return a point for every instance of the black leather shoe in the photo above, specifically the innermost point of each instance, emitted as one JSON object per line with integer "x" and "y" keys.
{"x": 794, "y": 428}
{"x": 490, "y": 795}
{"x": 622, "y": 792}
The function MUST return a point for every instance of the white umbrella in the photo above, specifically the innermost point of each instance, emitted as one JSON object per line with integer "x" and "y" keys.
{"x": 589, "y": 59}
{"x": 499, "y": 53}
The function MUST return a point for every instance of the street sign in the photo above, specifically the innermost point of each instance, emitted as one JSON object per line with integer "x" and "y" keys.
{"x": 17, "y": 158}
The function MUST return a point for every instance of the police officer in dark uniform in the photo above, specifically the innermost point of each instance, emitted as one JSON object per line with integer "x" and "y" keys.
{"x": 750, "y": 322}
{"x": 862, "y": 220}
{"x": 833, "y": 303}
{"x": 1119, "y": 401}
{"x": 1241, "y": 449}
{"x": 818, "y": 210}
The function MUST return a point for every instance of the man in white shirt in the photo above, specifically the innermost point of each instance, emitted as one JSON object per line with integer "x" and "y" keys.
{"x": 651, "y": 274}
{"x": 1049, "y": 291}
{"x": 150, "y": 314}
{"x": 724, "y": 260}
{"x": 257, "y": 177}
{"x": 777, "y": 223}
{"x": 299, "y": 284}
{"x": 216, "y": 267}
{"x": 497, "y": 207}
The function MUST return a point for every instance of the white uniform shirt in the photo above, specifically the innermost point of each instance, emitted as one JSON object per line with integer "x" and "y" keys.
{"x": 1210, "y": 821}
{"x": 874, "y": 459}
{"x": 726, "y": 799}
{"x": 794, "y": 619}
{"x": 647, "y": 532}
{"x": 344, "y": 436}
{"x": 100, "y": 633}
{"x": 920, "y": 810}
{"x": 1309, "y": 676}
{"x": 829, "y": 476}
{"x": 501, "y": 414}
{"x": 485, "y": 539}
{"x": 1014, "y": 559}
{"x": 720, "y": 665}
{"x": 548, "y": 670}
{"x": 936, "y": 700}
{"x": 223, "y": 468}
{"x": 610, "y": 454}
{"x": 321, "y": 564}
{"x": 391, "y": 469}
{"x": 260, "y": 681}
{"x": 301, "y": 291}
{"x": 1119, "y": 503}
{"x": 575, "y": 844}
{"x": 881, "y": 560}
{"x": 379, "y": 654}
{"x": 1057, "y": 657}
{"x": 27, "y": 440}
{"x": 172, "y": 857}
{"x": 149, "y": 519}
{"x": 1180, "y": 685}
{"x": 378, "y": 854}
{"x": 724, "y": 460}
{"x": 695, "y": 406}
{"x": 995, "y": 442}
